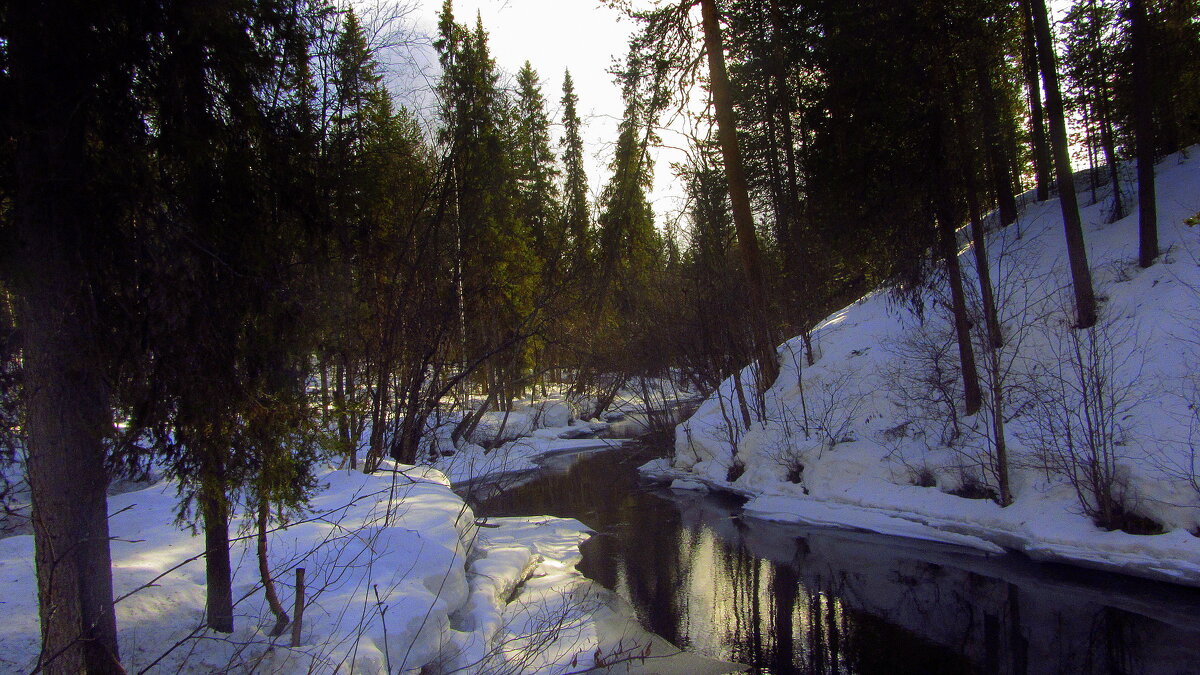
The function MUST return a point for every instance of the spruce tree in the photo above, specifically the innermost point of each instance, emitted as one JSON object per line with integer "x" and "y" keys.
{"x": 575, "y": 211}
{"x": 536, "y": 175}
{"x": 497, "y": 266}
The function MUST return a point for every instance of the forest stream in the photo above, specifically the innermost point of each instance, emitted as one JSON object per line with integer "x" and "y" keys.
{"x": 793, "y": 599}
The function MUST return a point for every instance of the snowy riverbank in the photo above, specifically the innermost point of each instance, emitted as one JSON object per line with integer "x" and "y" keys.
{"x": 397, "y": 572}
{"x": 864, "y": 439}
{"x": 400, "y": 577}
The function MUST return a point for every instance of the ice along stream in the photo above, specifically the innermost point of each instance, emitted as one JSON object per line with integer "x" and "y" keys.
{"x": 789, "y": 599}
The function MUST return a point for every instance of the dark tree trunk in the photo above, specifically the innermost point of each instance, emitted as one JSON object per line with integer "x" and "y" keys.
{"x": 1144, "y": 135}
{"x": 66, "y": 418}
{"x": 947, "y": 242}
{"x": 995, "y": 339}
{"x": 52, "y": 73}
{"x": 1000, "y": 171}
{"x": 768, "y": 363}
{"x": 264, "y": 571}
{"x": 1081, "y": 276}
{"x": 1041, "y": 148}
{"x": 1108, "y": 143}
{"x": 958, "y": 305}
{"x": 1090, "y": 143}
{"x": 214, "y": 509}
{"x": 379, "y": 406}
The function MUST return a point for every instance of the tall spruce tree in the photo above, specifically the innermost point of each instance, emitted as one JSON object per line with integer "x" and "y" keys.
{"x": 536, "y": 175}
{"x": 497, "y": 269}
{"x": 575, "y": 211}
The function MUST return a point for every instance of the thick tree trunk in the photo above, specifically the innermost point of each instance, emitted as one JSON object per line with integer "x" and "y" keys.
{"x": 1041, "y": 148}
{"x": 1081, "y": 276}
{"x": 1144, "y": 135}
{"x": 743, "y": 220}
{"x": 67, "y": 415}
{"x": 67, "y": 412}
{"x": 214, "y": 509}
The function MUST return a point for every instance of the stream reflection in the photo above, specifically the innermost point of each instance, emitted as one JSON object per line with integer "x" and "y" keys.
{"x": 789, "y": 599}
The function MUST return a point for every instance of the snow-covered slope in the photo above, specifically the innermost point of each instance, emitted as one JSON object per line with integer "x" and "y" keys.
{"x": 850, "y": 440}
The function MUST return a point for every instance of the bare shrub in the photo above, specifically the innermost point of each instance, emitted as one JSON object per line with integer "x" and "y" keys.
{"x": 923, "y": 379}
{"x": 1082, "y": 410}
{"x": 972, "y": 486}
{"x": 786, "y": 452}
{"x": 836, "y": 401}
{"x": 1021, "y": 298}
{"x": 922, "y": 476}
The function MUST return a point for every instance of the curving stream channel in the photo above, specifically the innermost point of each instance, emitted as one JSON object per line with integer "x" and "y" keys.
{"x": 792, "y": 599}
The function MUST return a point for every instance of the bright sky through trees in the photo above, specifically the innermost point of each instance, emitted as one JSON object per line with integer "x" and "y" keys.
{"x": 585, "y": 37}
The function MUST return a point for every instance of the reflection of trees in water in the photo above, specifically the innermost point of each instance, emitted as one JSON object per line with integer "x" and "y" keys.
{"x": 792, "y": 600}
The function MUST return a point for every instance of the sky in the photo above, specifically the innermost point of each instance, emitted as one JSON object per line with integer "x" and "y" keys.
{"x": 585, "y": 37}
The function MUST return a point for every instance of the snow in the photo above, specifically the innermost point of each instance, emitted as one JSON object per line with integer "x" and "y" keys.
{"x": 871, "y": 435}
{"x": 399, "y": 577}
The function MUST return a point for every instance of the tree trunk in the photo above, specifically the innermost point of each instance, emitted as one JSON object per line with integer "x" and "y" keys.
{"x": 66, "y": 418}
{"x": 1000, "y": 171}
{"x": 1081, "y": 276}
{"x": 264, "y": 571}
{"x": 323, "y": 367}
{"x": 958, "y": 305}
{"x": 978, "y": 235}
{"x": 947, "y": 242}
{"x": 768, "y": 363}
{"x": 214, "y": 508}
{"x": 379, "y": 406}
{"x": 1041, "y": 148}
{"x": 995, "y": 339}
{"x": 1108, "y": 143}
{"x": 67, "y": 413}
{"x": 466, "y": 427}
{"x": 1144, "y": 135}
{"x": 339, "y": 402}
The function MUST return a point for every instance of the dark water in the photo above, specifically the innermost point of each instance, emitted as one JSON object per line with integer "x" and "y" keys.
{"x": 789, "y": 599}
